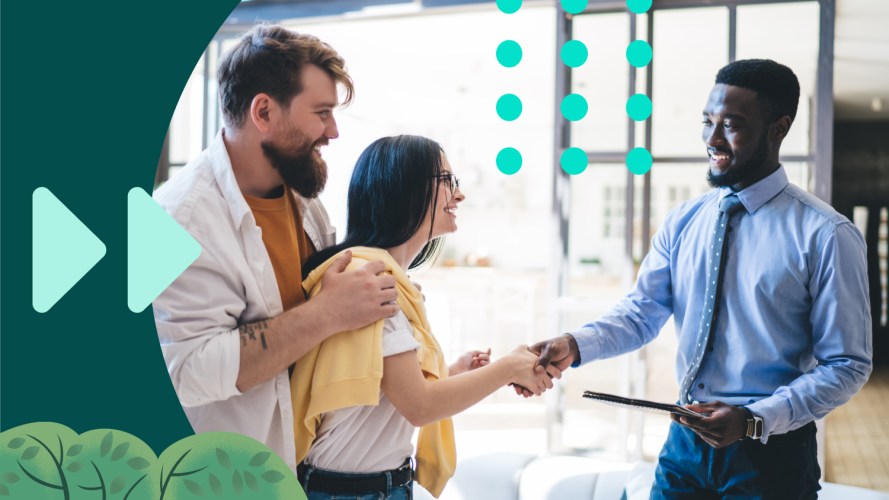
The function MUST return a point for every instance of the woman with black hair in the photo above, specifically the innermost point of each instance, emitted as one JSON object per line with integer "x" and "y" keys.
{"x": 359, "y": 396}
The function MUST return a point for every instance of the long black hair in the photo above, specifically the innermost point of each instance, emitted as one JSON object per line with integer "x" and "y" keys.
{"x": 393, "y": 186}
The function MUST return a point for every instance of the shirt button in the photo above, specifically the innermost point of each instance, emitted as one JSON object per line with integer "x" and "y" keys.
{"x": 700, "y": 386}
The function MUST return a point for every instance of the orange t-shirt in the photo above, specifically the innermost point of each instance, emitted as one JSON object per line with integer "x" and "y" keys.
{"x": 286, "y": 242}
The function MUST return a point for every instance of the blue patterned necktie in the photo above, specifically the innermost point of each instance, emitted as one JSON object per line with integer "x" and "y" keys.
{"x": 718, "y": 246}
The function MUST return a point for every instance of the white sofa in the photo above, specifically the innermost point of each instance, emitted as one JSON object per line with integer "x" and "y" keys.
{"x": 514, "y": 476}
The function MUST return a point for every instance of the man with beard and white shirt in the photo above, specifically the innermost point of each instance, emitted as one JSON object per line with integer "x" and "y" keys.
{"x": 768, "y": 289}
{"x": 232, "y": 324}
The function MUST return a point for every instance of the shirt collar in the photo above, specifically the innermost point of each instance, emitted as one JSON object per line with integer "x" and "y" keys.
{"x": 757, "y": 195}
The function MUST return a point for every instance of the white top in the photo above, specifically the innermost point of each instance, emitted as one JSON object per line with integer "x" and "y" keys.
{"x": 231, "y": 283}
{"x": 368, "y": 438}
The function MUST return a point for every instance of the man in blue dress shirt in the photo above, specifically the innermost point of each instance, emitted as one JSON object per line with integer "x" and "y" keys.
{"x": 791, "y": 333}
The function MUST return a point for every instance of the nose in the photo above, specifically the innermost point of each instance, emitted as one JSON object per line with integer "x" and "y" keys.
{"x": 331, "y": 131}
{"x": 713, "y": 136}
{"x": 458, "y": 195}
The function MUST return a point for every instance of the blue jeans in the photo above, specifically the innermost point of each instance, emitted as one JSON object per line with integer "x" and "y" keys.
{"x": 392, "y": 490}
{"x": 786, "y": 468}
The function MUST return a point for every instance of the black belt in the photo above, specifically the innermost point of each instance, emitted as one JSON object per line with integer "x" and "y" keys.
{"x": 314, "y": 479}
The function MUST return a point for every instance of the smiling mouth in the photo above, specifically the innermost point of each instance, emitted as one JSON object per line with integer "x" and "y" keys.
{"x": 451, "y": 211}
{"x": 719, "y": 158}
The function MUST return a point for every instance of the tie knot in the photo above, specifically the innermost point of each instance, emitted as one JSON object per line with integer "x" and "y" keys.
{"x": 730, "y": 204}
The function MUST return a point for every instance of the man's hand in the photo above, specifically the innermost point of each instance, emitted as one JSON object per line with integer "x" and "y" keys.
{"x": 556, "y": 355}
{"x": 723, "y": 425}
{"x": 353, "y": 299}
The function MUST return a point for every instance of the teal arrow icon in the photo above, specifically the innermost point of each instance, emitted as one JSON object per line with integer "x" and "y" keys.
{"x": 158, "y": 250}
{"x": 63, "y": 250}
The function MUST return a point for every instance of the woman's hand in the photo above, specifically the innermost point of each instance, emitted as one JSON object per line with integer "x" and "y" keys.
{"x": 470, "y": 361}
{"x": 526, "y": 374}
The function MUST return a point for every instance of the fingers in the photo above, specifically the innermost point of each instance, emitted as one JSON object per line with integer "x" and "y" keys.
{"x": 341, "y": 262}
{"x": 375, "y": 267}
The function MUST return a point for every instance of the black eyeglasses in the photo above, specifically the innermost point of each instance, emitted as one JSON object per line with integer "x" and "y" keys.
{"x": 451, "y": 179}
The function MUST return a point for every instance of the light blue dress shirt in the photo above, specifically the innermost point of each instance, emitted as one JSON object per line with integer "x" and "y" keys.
{"x": 793, "y": 336}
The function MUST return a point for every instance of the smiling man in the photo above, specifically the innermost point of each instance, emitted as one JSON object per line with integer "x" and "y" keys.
{"x": 767, "y": 286}
{"x": 236, "y": 319}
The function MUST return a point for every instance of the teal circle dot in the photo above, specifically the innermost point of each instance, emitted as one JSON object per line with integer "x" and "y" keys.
{"x": 509, "y": 6}
{"x": 509, "y": 160}
{"x": 639, "y": 53}
{"x": 574, "y": 53}
{"x": 509, "y": 53}
{"x": 574, "y": 107}
{"x": 635, "y": 6}
{"x": 639, "y": 161}
{"x": 509, "y": 107}
{"x": 573, "y": 161}
{"x": 574, "y": 6}
{"x": 639, "y": 107}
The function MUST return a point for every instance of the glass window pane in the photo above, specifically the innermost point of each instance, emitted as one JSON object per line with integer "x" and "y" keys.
{"x": 186, "y": 124}
{"x": 690, "y": 45}
{"x": 605, "y": 126}
{"x": 796, "y": 48}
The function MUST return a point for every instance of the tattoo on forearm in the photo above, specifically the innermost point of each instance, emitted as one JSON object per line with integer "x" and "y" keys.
{"x": 250, "y": 331}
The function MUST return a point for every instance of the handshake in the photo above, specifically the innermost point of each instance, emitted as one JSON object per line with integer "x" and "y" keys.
{"x": 530, "y": 370}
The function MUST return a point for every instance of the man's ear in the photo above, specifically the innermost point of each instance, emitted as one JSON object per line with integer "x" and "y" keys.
{"x": 261, "y": 109}
{"x": 779, "y": 128}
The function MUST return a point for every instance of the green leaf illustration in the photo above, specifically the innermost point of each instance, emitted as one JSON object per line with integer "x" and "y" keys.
{"x": 16, "y": 443}
{"x": 75, "y": 450}
{"x": 259, "y": 459}
{"x": 223, "y": 458}
{"x": 74, "y": 466}
{"x": 118, "y": 484}
{"x": 194, "y": 487}
{"x": 4, "y": 490}
{"x": 30, "y": 453}
{"x": 272, "y": 476}
{"x": 138, "y": 463}
{"x": 120, "y": 451}
{"x": 215, "y": 484}
{"x": 107, "y": 441}
{"x": 250, "y": 479}
{"x": 11, "y": 477}
{"x": 237, "y": 482}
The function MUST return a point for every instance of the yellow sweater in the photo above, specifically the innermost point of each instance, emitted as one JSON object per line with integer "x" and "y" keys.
{"x": 346, "y": 369}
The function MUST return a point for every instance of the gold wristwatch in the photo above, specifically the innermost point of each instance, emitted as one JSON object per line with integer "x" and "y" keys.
{"x": 754, "y": 424}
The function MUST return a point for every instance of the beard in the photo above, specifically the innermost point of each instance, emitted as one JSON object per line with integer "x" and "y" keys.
{"x": 741, "y": 171}
{"x": 297, "y": 165}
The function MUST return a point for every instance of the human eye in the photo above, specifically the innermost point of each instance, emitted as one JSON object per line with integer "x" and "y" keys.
{"x": 324, "y": 113}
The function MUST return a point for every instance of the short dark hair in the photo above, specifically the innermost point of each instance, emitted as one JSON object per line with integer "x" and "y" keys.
{"x": 270, "y": 59}
{"x": 776, "y": 86}
{"x": 393, "y": 187}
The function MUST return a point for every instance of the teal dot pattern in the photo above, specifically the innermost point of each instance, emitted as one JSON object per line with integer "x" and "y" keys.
{"x": 639, "y": 55}
{"x": 574, "y": 107}
{"x": 509, "y": 107}
{"x": 509, "y": 161}
{"x": 509, "y": 53}
{"x": 574, "y": 6}
{"x": 573, "y": 161}
{"x": 639, "y": 107}
{"x": 639, "y": 161}
{"x": 636, "y": 6}
{"x": 574, "y": 53}
{"x": 509, "y": 6}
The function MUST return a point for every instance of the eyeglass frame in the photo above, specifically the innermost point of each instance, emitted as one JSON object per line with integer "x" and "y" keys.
{"x": 453, "y": 181}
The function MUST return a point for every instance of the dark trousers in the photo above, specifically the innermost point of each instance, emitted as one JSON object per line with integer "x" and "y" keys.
{"x": 786, "y": 468}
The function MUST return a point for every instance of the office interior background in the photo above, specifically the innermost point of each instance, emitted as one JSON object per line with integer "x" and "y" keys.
{"x": 541, "y": 252}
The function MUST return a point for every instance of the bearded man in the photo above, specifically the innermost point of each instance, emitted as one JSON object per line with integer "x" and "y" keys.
{"x": 767, "y": 286}
{"x": 232, "y": 324}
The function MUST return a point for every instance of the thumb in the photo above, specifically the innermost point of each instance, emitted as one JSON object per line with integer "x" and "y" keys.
{"x": 341, "y": 262}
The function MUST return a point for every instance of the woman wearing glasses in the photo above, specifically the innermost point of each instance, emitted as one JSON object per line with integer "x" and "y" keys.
{"x": 360, "y": 395}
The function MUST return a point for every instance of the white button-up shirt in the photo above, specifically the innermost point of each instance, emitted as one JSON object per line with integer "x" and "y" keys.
{"x": 230, "y": 284}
